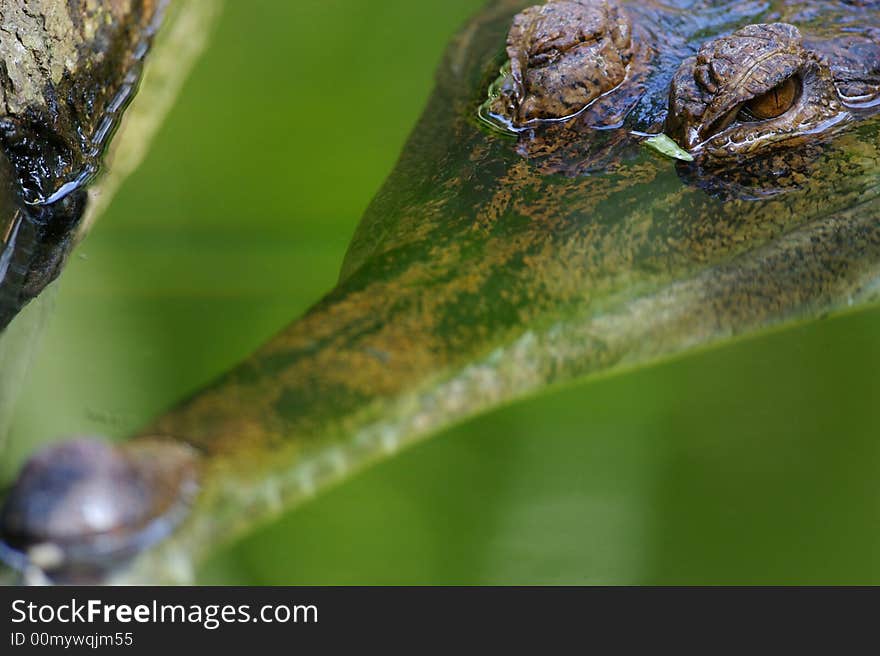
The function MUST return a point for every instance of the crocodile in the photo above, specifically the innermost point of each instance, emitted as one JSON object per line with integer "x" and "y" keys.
{"x": 528, "y": 236}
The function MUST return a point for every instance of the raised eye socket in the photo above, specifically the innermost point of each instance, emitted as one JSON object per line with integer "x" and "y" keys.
{"x": 772, "y": 104}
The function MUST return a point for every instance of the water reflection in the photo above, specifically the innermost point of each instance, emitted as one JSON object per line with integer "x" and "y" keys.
{"x": 36, "y": 240}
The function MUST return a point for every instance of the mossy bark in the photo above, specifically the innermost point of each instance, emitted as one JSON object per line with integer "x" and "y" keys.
{"x": 67, "y": 69}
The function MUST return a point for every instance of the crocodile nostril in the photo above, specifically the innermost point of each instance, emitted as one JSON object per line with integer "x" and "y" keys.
{"x": 90, "y": 504}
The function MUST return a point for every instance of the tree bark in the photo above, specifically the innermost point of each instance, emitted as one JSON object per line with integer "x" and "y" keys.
{"x": 67, "y": 70}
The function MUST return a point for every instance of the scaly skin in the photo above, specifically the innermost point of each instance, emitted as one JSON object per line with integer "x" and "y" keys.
{"x": 479, "y": 275}
{"x": 583, "y": 64}
{"x": 563, "y": 56}
{"x": 764, "y": 87}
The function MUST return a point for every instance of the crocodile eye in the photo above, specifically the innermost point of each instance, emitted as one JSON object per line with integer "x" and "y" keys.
{"x": 774, "y": 103}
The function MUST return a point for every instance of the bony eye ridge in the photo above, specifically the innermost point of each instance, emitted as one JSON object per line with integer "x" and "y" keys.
{"x": 714, "y": 109}
{"x": 590, "y": 64}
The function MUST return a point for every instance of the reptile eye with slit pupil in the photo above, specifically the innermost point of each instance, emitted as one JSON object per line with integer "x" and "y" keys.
{"x": 774, "y": 103}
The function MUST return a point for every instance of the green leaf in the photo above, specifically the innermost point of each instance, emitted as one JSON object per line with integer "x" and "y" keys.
{"x": 666, "y": 146}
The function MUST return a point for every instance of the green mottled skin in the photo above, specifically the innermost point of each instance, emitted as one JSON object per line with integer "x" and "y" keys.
{"x": 479, "y": 275}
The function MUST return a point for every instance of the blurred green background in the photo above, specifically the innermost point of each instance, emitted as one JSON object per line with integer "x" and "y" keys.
{"x": 754, "y": 463}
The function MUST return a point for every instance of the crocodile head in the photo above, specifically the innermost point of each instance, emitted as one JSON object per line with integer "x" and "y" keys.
{"x": 487, "y": 269}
